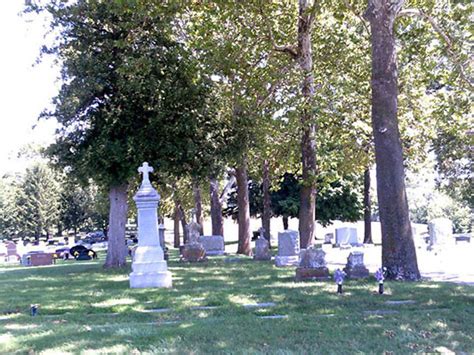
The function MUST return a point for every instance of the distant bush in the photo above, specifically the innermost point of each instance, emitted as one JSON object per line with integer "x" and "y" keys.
{"x": 424, "y": 208}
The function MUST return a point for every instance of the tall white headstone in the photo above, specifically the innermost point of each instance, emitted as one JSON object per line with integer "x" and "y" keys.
{"x": 346, "y": 235}
{"x": 440, "y": 231}
{"x": 288, "y": 248}
{"x": 149, "y": 269}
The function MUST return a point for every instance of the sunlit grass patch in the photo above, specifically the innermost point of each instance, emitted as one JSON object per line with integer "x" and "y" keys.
{"x": 84, "y": 308}
{"x": 114, "y": 302}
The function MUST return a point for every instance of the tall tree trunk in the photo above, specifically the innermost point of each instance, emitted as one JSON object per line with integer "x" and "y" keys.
{"x": 398, "y": 249}
{"x": 182, "y": 218}
{"x": 117, "y": 250}
{"x": 216, "y": 208}
{"x": 198, "y": 205}
{"x": 308, "y": 140}
{"x": 285, "y": 222}
{"x": 367, "y": 209}
{"x": 267, "y": 208}
{"x": 244, "y": 209}
{"x": 176, "y": 214}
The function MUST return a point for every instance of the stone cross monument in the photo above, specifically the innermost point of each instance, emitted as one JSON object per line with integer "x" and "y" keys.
{"x": 149, "y": 269}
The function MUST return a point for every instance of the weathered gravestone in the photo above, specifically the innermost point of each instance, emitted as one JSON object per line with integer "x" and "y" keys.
{"x": 328, "y": 237}
{"x": 440, "y": 232}
{"x": 12, "y": 253}
{"x": 288, "y": 248}
{"x": 37, "y": 259}
{"x": 161, "y": 233}
{"x": 193, "y": 250}
{"x": 262, "y": 247}
{"x": 346, "y": 235}
{"x": 355, "y": 268}
{"x": 212, "y": 244}
{"x": 149, "y": 269}
{"x": 312, "y": 265}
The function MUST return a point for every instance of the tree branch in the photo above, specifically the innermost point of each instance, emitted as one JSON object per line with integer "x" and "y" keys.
{"x": 287, "y": 48}
{"x": 448, "y": 41}
{"x": 273, "y": 87}
{"x": 360, "y": 17}
{"x": 312, "y": 13}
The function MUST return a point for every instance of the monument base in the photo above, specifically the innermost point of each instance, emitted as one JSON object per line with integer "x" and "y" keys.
{"x": 357, "y": 272}
{"x": 282, "y": 261}
{"x": 150, "y": 279}
{"x": 193, "y": 252}
{"x": 262, "y": 257}
{"x": 146, "y": 273}
{"x": 214, "y": 252}
{"x": 306, "y": 273}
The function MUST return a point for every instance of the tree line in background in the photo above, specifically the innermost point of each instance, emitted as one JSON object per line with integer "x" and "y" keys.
{"x": 263, "y": 88}
{"x": 41, "y": 203}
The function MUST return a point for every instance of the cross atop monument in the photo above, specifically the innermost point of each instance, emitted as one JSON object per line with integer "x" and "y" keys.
{"x": 262, "y": 232}
{"x": 145, "y": 169}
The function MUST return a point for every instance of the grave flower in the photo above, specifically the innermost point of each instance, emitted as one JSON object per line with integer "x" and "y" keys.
{"x": 339, "y": 276}
{"x": 380, "y": 276}
{"x": 34, "y": 310}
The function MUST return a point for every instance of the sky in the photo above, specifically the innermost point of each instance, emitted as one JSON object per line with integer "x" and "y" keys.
{"x": 26, "y": 88}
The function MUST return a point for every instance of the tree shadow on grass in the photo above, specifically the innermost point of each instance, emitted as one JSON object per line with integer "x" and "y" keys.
{"x": 82, "y": 298}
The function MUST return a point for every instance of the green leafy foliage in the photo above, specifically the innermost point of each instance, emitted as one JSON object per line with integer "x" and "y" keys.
{"x": 37, "y": 202}
{"x": 130, "y": 94}
{"x": 336, "y": 201}
{"x": 41, "y": 202}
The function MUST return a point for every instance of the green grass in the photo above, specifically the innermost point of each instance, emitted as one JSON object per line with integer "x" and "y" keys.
{"x": 84, "y": 308}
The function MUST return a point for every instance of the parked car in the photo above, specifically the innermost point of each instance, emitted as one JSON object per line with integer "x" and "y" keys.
{"x": 95, "y": 237}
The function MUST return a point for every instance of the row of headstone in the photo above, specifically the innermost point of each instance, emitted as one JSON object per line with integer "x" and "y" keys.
{"x": 440, "y": 232}
{"x": 310, "y": 262}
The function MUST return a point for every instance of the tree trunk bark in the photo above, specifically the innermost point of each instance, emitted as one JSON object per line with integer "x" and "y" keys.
{"x": 182, "y": 217}
{"x": 244, "y": 209}
{"x": 285, "y": 222}
{"x": 398, "y": 249}
{"x": 267, "y": 208}
{"x": 367, "y": 209}
{"x": 117, "y": 250}
{"x": 177, "y": 239}
{"x": 308, "y": 140}
{"x": 198, "y": 205}
{"x": 216, "y": 208}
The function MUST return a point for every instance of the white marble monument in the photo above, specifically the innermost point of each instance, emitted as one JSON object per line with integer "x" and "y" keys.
{"x": 440, "y": 232}
{"x": 288, "y": 248}
{"x": 149, "y": 269}
{"x": 346, "y": 235}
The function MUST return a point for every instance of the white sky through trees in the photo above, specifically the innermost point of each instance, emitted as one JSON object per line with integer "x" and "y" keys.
{"x": 26, "y": 88}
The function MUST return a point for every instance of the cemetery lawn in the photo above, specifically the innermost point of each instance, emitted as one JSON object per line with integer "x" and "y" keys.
{"x": 84, "y": 308}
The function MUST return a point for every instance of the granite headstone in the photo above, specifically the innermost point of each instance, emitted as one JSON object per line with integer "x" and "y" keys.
{"x": 288, "y": 248}
{"x": 355, "y": 268}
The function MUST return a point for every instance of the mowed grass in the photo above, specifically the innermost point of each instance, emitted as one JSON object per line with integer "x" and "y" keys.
{"x": 86, "y": 309}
